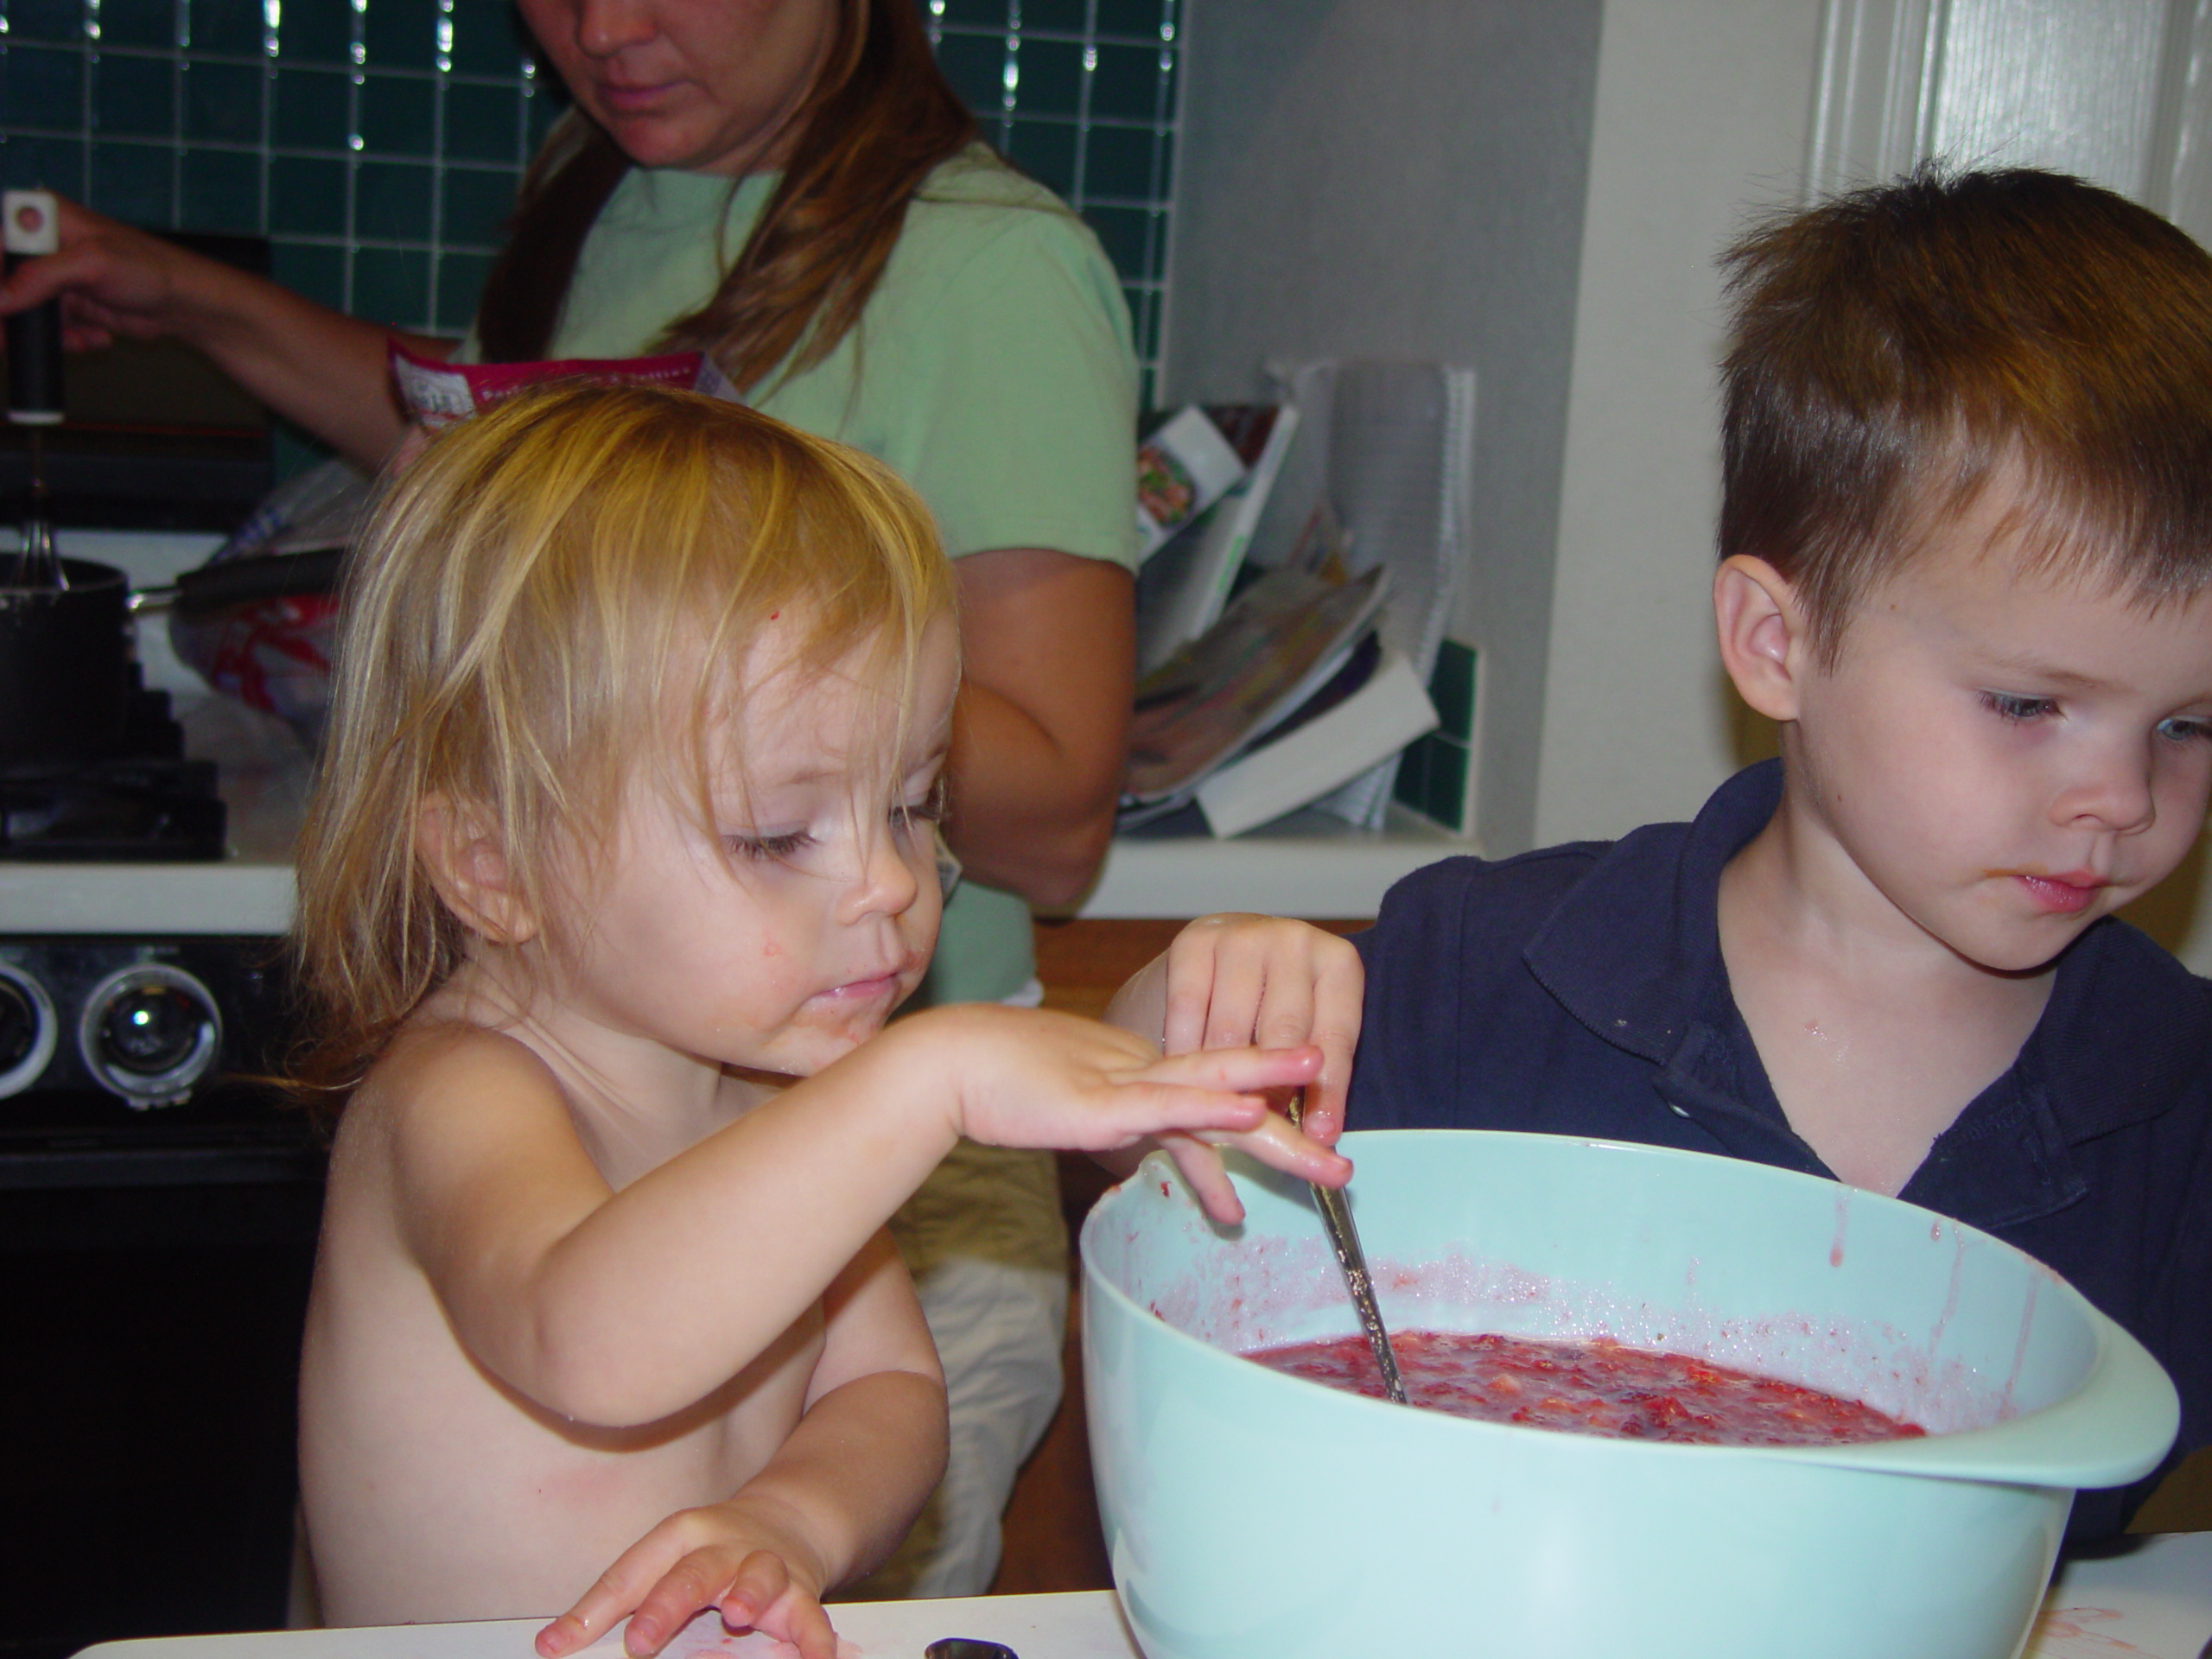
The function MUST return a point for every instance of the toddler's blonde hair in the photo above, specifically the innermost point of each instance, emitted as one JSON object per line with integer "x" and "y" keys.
{"x": 543, "y": 592}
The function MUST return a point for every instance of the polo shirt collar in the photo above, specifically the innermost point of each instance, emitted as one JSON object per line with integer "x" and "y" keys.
{"x": 1633, "y": 952}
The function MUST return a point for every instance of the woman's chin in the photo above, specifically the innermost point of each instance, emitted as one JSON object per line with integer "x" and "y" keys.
{"x": 650, "y": 138}
{"x": 670, "y": 142}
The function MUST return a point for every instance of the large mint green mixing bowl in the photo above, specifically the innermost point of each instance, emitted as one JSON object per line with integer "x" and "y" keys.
{"x": 1254, "y": 1516}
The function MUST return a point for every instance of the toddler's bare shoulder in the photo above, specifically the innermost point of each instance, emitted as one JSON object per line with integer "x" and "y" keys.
{"x": 455, "y": 1067}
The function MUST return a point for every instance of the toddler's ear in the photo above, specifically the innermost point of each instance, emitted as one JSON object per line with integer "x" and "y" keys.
{"x": 465, "y": 866}
{"x": 1764, "y": 643}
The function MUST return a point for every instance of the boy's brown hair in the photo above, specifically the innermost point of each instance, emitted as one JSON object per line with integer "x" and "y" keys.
{"x": 1896, "y": 349}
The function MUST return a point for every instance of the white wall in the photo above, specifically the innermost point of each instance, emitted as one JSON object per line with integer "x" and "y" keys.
{"x": 1541, "y": 191}
{"x": 1404, "y": 178}
{"x": 1701, "y": 114}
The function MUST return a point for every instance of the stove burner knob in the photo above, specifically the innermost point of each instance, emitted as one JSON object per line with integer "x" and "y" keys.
{"x": 26, "y": 1030}
{"x": 148, "y": 1032}
{"x": 151, "y": 1030}
{"x": 18, "y": 1026}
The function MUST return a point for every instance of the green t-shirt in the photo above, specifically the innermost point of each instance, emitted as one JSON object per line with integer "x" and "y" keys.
{"x": 991, "y": 369}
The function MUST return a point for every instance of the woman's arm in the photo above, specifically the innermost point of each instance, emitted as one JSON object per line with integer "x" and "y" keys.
{"x": 1040, "y": 733}
{"x": 318, "y": 367}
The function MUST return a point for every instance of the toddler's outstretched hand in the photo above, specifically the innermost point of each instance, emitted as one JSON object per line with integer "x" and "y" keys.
{"x": 1026, "y": 1077}
{"x": 721, "y": 1555}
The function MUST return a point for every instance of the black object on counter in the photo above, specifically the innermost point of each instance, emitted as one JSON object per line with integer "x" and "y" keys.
{"x": 155, "y": 437}
{"x": 34, "y": 363}
{"x": 215, "y": 587}
{"x": 34, "y": 336}
{"x": 65, "y": 666}
{"x": 120, "y": 812}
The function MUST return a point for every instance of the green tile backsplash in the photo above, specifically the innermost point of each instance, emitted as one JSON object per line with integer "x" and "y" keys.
{"x": 1436, "y": 770}
{"x": 378, "y": 143}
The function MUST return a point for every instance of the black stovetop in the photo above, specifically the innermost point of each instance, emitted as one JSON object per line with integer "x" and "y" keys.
{"x": 147, "y": 804}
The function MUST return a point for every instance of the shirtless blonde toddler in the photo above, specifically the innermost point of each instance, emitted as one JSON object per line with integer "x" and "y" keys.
{"x": 623, "y": 849}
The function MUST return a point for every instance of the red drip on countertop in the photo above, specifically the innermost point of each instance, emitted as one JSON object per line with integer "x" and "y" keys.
{"x": 1595, "y": 1386}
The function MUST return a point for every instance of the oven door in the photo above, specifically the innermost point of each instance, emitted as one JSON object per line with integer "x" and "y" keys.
{"x": 155, "y": 1259}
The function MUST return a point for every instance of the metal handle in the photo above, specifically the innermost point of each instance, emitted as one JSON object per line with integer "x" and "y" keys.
{"x": 29, "y": 229}
{"x": 1344, "y": 1239}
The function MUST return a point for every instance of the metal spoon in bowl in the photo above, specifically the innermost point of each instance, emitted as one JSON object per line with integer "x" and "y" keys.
{"x": 1343, "y": 1238}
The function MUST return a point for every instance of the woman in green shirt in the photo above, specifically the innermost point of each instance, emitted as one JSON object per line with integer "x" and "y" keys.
{"x": 792, "y": 187}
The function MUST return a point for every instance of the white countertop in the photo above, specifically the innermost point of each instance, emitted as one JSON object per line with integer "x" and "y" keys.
{"x": 1084, "y": 1625}
{"x": 2155, "y": 1603}
{"x": 1306, "y": 865}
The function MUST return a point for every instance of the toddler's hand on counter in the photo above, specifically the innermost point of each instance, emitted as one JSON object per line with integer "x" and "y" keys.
{"x": 721, "y": 1555}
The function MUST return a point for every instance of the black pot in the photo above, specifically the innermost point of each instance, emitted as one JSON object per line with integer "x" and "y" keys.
{"x": 65, "y": 667}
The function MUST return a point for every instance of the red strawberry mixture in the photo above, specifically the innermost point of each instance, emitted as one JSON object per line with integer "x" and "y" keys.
{"x": 1593, "y": 1387}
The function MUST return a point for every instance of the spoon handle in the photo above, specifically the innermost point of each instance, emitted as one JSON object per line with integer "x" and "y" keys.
{"x": 1344, "y": 1239}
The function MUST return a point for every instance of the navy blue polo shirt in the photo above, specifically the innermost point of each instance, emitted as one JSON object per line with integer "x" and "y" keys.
{"x": 1580, "y": 990}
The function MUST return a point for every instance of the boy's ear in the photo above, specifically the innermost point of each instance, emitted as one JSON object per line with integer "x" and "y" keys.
{"x": 1765, "y": 643}
{"x": 465, "y": 866}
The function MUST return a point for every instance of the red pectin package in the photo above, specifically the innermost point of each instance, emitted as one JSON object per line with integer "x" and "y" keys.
{"x": 274, "y": 654}
{"x": 436, "y": 394}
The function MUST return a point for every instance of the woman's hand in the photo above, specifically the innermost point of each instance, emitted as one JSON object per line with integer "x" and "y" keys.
{"x": 112, "y": 281}
{"x": 740, "y": 1557}
{"x": 324, "y": 370}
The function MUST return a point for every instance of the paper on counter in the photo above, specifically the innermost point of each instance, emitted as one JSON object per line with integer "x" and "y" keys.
{"x": 2153, "y": 1603}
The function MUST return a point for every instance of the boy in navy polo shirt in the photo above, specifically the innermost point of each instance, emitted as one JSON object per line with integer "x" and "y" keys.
{"x": 1966, "y": 567}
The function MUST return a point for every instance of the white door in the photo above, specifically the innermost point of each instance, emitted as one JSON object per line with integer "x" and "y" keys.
{"x": 2117, "y": 91}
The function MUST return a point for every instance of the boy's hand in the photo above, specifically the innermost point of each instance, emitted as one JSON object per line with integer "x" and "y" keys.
{"x": 1026, "y": 1077}
{"x": 1231, "y": 980}
{"x": 730, "y": 1556}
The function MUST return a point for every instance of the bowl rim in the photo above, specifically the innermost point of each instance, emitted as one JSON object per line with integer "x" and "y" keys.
{"x": 2093, "y": 1437}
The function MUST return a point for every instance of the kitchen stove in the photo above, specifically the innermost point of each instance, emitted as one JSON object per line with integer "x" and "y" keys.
{"x": 144, "y": 802}
{"x": 135, "y": 808}
{"x": 139, "y": 1022}
{"x": 158, "y": 1209}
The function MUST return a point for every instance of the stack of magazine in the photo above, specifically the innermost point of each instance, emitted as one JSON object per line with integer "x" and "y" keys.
{"x": 1253, "y": 705}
